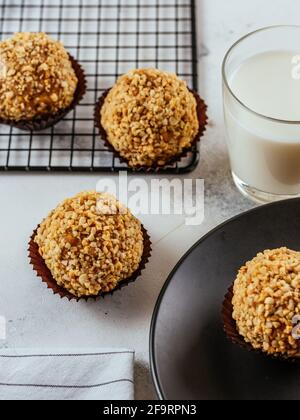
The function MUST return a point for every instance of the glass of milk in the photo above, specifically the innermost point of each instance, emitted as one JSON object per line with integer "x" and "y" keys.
{"x": 261, "y": 81}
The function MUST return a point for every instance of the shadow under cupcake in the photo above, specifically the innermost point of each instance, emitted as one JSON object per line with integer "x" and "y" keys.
{"x": 89, "y": 246}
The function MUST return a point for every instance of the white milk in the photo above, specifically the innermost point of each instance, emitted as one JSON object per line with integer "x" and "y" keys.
{"x": 265, "y": 154}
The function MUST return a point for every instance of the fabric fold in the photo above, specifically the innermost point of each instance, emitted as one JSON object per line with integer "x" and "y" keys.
{"x": 66, "y": 375}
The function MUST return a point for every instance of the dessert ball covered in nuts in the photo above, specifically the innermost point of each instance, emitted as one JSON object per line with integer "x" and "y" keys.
{"x": 150, "y": 117}
{"x": 90, "y": 243}
{"x": 267, "y": 300}
{"x": 36, "y": 77}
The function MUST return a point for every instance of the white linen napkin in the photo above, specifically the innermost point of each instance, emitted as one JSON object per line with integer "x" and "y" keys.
{"x": 66, "y": 375}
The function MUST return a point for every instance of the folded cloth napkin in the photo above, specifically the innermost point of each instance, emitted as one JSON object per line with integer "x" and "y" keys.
{"x": 66, "y": 375}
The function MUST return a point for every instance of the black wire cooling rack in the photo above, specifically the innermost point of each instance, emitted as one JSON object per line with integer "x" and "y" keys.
{"x": 109, "y": 38}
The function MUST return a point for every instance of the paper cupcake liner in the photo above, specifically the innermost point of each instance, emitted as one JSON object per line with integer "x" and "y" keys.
{"x": 202, "y": 118}
{"x": 233, "y": 335}
{"x": 46, "y": 121}
{"x": 39, "y": 266}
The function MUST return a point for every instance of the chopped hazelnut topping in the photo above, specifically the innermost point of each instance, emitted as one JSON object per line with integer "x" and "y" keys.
{"x": 266, "y": 300}
{"x": 36, "y": 77}
{"x": 150, "y": 117}
{"x": 89, "y": 251}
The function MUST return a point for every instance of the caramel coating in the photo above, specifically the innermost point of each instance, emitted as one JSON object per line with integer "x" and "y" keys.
{"x": 150, "y": 117}
{"x": 266, "y": 300}
{"x": 90, "y": 243}
{"x": 36, "y": 77}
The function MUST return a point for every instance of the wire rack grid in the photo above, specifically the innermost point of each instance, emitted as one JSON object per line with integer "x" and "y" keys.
{"x": 109, "y": 38}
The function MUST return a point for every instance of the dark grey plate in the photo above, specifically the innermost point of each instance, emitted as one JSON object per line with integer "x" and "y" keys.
{"x": 190, "y": 356}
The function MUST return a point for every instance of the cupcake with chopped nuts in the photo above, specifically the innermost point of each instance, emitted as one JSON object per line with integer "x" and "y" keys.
{"x": 261, "y": 309}
{"x": 39, "y": 81}
{"x": 90, "y": 245}
{"x": 150, "y": 118}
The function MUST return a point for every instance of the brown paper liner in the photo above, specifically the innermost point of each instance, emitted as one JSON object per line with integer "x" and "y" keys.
{"x": 233, "y": 335}
{"x": 46, "y": 121}
{"x": 202, "y": 118}
{"x": 39, "y": 266}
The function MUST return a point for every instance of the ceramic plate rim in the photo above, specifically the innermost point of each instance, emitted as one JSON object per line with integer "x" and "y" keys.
{"x": 153, "y": 362}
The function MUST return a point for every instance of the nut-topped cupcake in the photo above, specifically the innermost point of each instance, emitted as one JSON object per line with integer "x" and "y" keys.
{"x": 150, "y": 118}
{"x": 38, "y": 79}
{"x": 266, "y": 300}
{"x": 91, "y": 244}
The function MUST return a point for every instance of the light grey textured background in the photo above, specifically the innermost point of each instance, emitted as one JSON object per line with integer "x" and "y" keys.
{"x": 34, "y": 316}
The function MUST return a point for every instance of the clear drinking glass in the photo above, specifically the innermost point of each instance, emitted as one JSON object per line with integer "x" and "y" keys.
{"x": 264, "y": 151}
